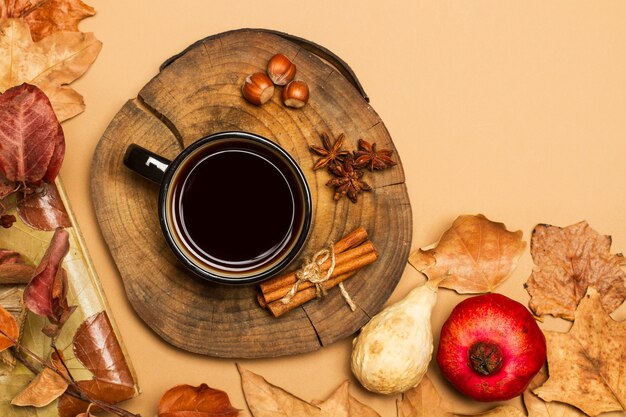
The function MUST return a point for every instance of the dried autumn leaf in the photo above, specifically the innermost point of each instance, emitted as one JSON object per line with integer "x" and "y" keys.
{"x": 46, "y": 294}
{"x": 586, "y": 365}
{"x": 44, "y": 210}
{"x": 342, "y": 404}
{"x": 45, "y": 17}
{"x": 201, "y": 401}
{"x": 569, "y": 260}
{"x": 474, "y": 256}
{"x": 8, "y": 327}
{"x": 32, "y": 144}
{"x": 97, "y": 348}
{"x": 13, "y": 268}
{"x": 425, "y": 401}
{"x": 45, "y": 388}
{"x": 536, "y": 407}
{"x": 267, "y": 400}
{"x": 50, "y": 64}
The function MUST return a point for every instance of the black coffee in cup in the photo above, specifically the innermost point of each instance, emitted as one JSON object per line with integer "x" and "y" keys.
{"x": 233, "y": 206}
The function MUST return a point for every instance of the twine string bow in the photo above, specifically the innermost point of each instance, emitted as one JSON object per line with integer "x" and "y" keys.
{"x": 311, "y": 271}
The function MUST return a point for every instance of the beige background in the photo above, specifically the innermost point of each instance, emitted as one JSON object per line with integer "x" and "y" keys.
{"x": 512, "y": 109}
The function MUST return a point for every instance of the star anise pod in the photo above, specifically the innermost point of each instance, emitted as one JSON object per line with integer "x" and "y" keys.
{"x": 330, "y": 154}
{"x": 369, "y": 157}
{"x": 348, "y": 182}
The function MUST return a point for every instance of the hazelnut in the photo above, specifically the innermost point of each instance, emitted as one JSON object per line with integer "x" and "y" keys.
{"x": 280, "y": 69}
{"x": 258, "y": 88}
{"x": 296, "y": 94}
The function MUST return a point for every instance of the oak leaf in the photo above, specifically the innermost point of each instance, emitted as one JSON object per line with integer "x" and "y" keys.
{"x": 44, "y": 209}
{"x": 267, "y": 400}
{"x": 13, "y": 268}
{"x": 200, "y": 401}
{"x": 342, "y": 404}
{"x": 587, "y": 365}
{"x": 97, "y": 348}
{"x": 50, "y": 64}
{"x": 46, "y": 294}
{"x": 536, "y": 407}
{"x": 45, "y": 17}
{"x": 8, "y": 327}
{"x": 474, "y": 256}
{"x": 569, "y": 260}
{"x": 45, "y": 388}
{"x": 425, "y": 401}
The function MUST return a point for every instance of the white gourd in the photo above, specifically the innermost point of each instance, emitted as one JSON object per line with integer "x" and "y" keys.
{"x": 393, "y": 350}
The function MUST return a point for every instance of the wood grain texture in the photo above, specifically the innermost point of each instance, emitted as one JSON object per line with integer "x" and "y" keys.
{"x": 196, "y": 94}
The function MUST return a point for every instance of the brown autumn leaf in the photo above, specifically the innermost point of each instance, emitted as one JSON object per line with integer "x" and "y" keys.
{"x": 46, "y": 294}
{"x": 474, "y": 256}
{"x": 8, "y": 327}
{"x": 587, "y": 364}
{"x": 97, "y": 348}
{"x": 200, "y": 401}
{"x": 44, "y": 210}
{"x": 342, "y": 404}
{"x": 50, "y": 64}
{"x": 537, "y": 407}
{"x": 569, "y": 260}
{"x": 45, "y": 388}
{"x": 425, "y": 401}
{"x": 13, "y": 268}
{"x": 45, "y": 17}
{"x": 267, "y": 400}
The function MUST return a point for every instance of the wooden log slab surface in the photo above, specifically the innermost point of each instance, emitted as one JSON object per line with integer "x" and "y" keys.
{"x": 196, "y": 93}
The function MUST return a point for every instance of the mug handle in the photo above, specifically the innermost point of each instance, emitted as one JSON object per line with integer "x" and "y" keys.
{"x": 145, "y": 163}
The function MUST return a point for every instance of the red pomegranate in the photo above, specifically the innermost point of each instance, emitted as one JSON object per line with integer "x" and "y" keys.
{"x": 490, "y": 348}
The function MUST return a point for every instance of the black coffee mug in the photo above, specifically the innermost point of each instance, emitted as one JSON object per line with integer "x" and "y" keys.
{"x": 234, "y": 207}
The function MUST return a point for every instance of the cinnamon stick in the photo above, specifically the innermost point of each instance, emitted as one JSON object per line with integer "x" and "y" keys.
{"x": 348, "y": 261}
{"x": 278, "y": 308}
{"x": 351, "y": 240}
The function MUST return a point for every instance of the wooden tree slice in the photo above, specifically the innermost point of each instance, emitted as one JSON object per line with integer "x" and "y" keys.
{"x": 198, "y": 93}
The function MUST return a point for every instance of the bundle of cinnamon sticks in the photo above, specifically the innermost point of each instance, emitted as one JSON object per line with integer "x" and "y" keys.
{"x": 352, "y": 252}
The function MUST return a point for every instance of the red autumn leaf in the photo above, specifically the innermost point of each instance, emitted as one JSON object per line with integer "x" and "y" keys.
{"x": 13, "y": 269}
{"x": 44, "y": 210}
{"x": 46, "y": 293}
{"x": 201, "y": 401}
{"x": 8, "y": 327}
{"x": 32, "y": 144}
{"x": 47, "y": 16}
{"x": 97, "y": 348}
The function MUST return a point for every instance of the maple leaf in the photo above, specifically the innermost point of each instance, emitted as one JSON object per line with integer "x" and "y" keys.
{"x": 97, "y": 348}
{"x": 587, "y": 365}
{"x": 569, "y": 260}
{"x": 50, "y": 64}
{"x": 8, "y": 327}
{"x": 474, "y": 256}
{"x": 425, "y": 401}
{"x": 536, "y": 407}
{"x": 267, "y": 400}
{"x": 200, "y": 401}
{"x": 342, "y": 404}
{"x": 45, "y": 17}
{"x": 45, "y": 388}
